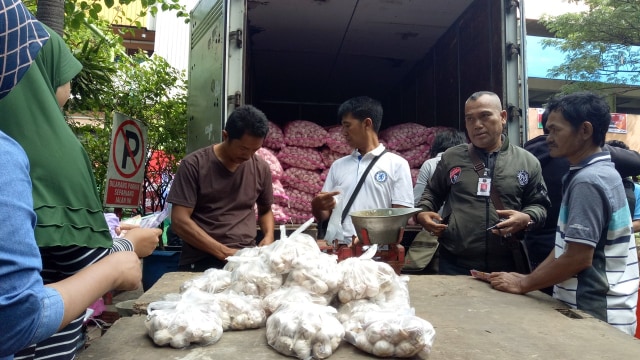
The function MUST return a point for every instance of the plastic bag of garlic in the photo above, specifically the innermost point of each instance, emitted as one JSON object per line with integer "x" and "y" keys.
{"x": 311, "y": 302}
{"x": 304, "y": 330}
{"x": 390, "y": 333}
{"x": 182, "y": 319}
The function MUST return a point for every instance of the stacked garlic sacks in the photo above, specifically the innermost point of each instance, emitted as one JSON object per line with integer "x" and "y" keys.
{"x": 301, "y": 153}
{"x": 308, "y": 302}
{"x": 303, "y": 163}
{"x": 411, "y": 141}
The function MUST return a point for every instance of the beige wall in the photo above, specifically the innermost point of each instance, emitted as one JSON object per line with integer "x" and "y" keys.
{"x": 631, "y": 138}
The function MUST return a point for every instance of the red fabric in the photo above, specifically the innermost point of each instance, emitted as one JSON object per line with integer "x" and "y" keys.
{"x": 638, "y": 317}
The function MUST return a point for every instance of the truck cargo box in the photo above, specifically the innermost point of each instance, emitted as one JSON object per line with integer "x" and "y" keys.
{"x": 299, "y": 59}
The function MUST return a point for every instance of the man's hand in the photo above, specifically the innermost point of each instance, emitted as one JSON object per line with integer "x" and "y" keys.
{"x": 430, "y": 222}
{"x": 266, "y": 240}
{"x": 144, "y": 240}
{"x": 515, "y": 221}
{"x": 507, "y": 282}
{"x": 228, "y": 252}
{"x": 324, "y": 201}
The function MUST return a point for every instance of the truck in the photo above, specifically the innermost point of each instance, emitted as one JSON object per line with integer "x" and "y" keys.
{"x": 300, "y": 59}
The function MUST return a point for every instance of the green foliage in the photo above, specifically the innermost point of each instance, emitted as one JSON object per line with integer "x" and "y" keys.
{"x": 79, "y": 11}
{"x": 598, "y": 46}
{"x": 95, "y": 138}
{"x": 146, "y": 89}
{"x": 149, "y": 90}
{"x": 98, "y": 67}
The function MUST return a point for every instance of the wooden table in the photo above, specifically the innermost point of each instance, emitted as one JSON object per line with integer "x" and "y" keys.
{"x": 472, "y": 321}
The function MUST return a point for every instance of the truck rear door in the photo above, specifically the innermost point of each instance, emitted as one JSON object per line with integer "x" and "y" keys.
{"x": 216, "y": 68}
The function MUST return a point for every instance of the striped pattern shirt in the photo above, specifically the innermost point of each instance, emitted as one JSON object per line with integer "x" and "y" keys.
{"x": 60, "y": 262}
{"x": 595, "y": 212}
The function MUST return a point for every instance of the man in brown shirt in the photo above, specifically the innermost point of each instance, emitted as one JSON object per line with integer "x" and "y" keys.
{"x": 215, "y": 190}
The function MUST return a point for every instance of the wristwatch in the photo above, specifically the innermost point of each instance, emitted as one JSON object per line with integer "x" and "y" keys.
{"x": 530, "y": 225}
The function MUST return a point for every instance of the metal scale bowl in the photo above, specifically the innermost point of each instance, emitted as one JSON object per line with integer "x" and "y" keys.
{"x": 384, "y": 227}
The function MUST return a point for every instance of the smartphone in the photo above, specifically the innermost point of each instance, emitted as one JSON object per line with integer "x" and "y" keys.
{"x": 496, "y": 224}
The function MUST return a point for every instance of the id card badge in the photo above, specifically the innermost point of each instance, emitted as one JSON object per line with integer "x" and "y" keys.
{"x": 484, "y": 186}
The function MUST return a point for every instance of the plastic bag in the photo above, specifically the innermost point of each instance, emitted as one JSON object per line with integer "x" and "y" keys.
{"x": 211, "y": 281}
{"x": 180, "y": 320}
{"x": 334, "y": 226}
{"x": 304, "y": 330}
{"x": 318, "y": 274}
{"x": 240, "y": 312}
{"x": 392, "y": 334}
{"x": 244, "y": 253}
{"x": 253, "y": 276}
{"x": 364, "y": 278}
{"x": 294, "y": 294}
{"x": 347, "y": 312}
{"x": 289, "y": 252}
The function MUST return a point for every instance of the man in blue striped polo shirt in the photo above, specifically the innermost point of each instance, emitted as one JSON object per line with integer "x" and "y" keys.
{"x": 594, "y": 265}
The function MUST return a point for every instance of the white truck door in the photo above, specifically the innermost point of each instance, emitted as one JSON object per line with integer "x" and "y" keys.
{"x": 515, "y": 77}
{"x": 216, "y": 68}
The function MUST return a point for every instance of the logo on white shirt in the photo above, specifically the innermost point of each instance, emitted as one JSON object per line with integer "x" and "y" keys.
{"x": 381, "y": 176}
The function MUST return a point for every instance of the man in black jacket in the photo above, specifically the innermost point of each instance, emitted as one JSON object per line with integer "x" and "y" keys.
{"x": 491, "y": 191}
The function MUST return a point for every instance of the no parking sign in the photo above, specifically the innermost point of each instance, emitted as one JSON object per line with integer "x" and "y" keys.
{"x": 125, "y": 173}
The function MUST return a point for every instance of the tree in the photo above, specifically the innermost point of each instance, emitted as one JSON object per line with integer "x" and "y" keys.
{"x": 51, "y": 12}
{"x": 73, "y": 14}
{"x": 150, "y": 90}
{"x": 599, "y": 45}
{"x": 147, "y": 89}
{"x": 154, "y": 92}
{"x": 96, "y": 53}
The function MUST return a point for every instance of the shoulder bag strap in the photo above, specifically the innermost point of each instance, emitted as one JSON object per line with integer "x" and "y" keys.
{"x": 345, "y": 211}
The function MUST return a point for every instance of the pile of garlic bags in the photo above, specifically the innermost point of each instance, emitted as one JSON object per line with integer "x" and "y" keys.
{"x": 308, "y": 301}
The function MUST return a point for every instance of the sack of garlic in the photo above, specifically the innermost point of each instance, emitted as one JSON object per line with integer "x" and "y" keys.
{"x": 396, "y": 295}
{"x": 351, "y": 314}
{"x": 211, "y": 281}
{"x": 245, "y": 253}
{"x": 289, "y": 252}
{"x": 253, "y": 276}
{"x": 318, "y": 273}
{"x": 391, "y": 334}
{"x": 240, "y": 312}
{"x": 295, "y": 294}
{"x": 304, "y": 330}
{"x": 364, "y": 278}
{"x": 191, "y": 317}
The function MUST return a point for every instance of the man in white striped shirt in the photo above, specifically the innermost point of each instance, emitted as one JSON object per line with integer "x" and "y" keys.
{"x": 594, "y": 265}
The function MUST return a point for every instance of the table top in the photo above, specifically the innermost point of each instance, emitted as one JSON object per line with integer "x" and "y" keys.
{"x": 472, "y": 321}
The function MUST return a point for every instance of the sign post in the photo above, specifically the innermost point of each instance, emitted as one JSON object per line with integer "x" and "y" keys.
{"x": 125, "y": 173}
